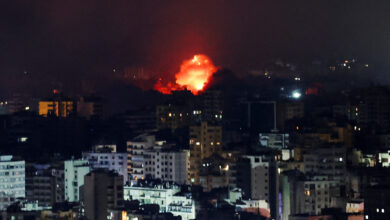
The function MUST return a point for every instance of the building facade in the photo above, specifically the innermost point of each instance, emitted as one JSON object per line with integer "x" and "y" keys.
{"x": 168, "y": 165}
{"x": 111, "y": 161}
{"x": 258, "y": 177}
{"x": 103, "y": 191}
{"x": 205, "y": 140}
{"x": 164, "y": 195}
{"x": 330, "y": 161}
{"x": 45, "y": 184}
{"x": 75, "y": 170}
{"x": 56, "y": 107}
{"x": 135, "y": 155}
{"x": 12, "y": 181}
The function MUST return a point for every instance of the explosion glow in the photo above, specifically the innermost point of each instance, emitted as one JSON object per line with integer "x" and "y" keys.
{"x": 194, "y": 75}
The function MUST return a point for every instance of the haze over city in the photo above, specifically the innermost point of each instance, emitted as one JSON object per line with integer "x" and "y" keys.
{"x": 182, "y": 110}
{"x": 56, "y": 42}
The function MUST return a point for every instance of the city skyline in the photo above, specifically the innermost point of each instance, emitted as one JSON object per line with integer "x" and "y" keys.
{"x": 155, "y": 109}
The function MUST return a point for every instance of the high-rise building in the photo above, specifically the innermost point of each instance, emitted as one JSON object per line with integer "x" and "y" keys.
{"x": 45, "y": 184}
{"x": 135, "y": 155}
{"x": 330, "y": 161}
{"x": 212, "y": 105}
{"x": 167, "y": 164}
{"x": 303, "y": 194}
{"x": 181, "y": 110}
{"x": 156, "y": 159}
{"x": 108, "y": 160}
{"x": 12, "y": 184}
{"x": 57, "y": 106}
{"x": 75, "y": 170}
{"x": 103, "y": 191}
{"x": 261, "y": 181}
{"x": 205, "y": 140}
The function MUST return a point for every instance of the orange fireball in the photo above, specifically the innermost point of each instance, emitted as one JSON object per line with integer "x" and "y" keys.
{"x": 194, "y": 75}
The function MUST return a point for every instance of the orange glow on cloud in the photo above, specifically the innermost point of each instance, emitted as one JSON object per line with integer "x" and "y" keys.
{"x": 194, "y": 74}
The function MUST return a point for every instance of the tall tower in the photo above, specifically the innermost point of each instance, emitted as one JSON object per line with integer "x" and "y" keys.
{"x": 205, "y": 140}
{"x": 103, "y": 191}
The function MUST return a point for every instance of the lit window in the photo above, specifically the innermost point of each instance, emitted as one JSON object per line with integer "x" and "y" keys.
{"x": 22, "y": 139}
{"x": 226, "y": 168}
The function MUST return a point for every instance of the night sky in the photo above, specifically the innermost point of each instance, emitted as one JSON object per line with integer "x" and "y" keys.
{"x": 76, "y": 44}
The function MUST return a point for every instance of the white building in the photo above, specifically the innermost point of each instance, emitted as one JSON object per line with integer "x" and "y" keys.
{"x": 111, "y": 161}
{"x": 355, "y": 206}
{"x": 165, "y": 196}
{"x": 241, "y": 205}
{"x": 384, "y": 159}
{"x": 146, "y": 156}
{"x": 274, "y": 140}
{"x": 260, "y": 178}
{"x": 135, "y": 151}
{"x": 167, "y": 165}
{"x": 12, "y": 180}
{"x": 75, "y": 170}
{"x": 287, "y": 154}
